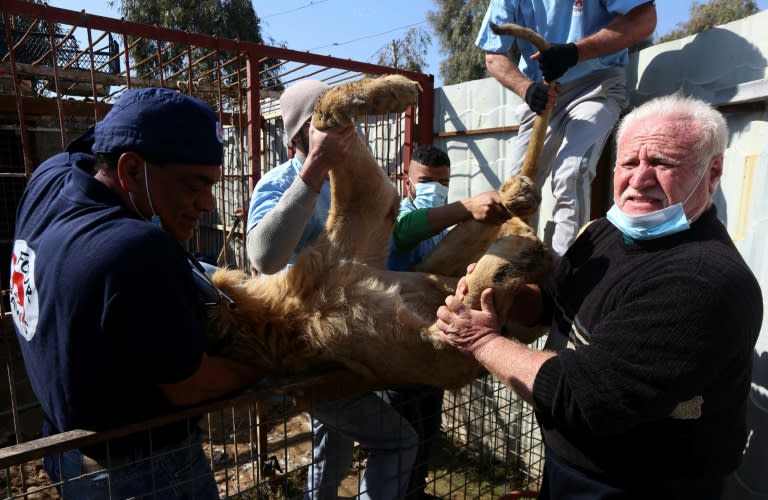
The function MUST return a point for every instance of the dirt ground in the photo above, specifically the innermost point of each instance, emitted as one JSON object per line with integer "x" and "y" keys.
{"x": 283, "y": 472}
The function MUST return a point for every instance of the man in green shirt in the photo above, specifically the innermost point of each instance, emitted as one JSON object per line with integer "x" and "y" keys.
{"x": 424, "y": 220}
{"x": 425, "y": 217}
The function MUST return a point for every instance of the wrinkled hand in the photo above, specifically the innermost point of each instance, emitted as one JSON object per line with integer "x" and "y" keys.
{"x": 466, "y": 329}
{"x": 540, "y": 96}
{"x": 554, "y": 62}
{"x": 487, "y": 207}
{"x": 326, "y": 148}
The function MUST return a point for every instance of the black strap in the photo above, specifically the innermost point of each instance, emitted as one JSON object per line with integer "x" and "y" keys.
{"x": 210, "y": 295}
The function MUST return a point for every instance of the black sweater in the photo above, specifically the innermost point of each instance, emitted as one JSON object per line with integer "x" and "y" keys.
{"x": 640, "y": 328}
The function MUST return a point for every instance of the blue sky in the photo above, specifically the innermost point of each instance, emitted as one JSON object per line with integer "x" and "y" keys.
{"x": 357, "y": 29}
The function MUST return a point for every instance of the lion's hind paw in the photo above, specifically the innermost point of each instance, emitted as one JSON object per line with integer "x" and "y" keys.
{"x": 341, "y": 105}
{"x": 520, "y": 195}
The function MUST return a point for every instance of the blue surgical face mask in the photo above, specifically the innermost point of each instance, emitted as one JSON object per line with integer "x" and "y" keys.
{"x": 669, "y": 220}
{"x": 664, "y": 222}
{"x": 430, "y": 195}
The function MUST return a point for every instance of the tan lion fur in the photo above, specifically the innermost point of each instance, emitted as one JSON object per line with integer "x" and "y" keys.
{"x": 338, "y": 304}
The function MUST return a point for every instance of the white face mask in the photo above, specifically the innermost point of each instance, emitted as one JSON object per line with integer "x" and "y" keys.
{"x": 430, "y": 195}
{"x": 656, "y": 224}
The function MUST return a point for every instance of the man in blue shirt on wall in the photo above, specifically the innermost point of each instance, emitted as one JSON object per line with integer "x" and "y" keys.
{"x": 587, "y": 57}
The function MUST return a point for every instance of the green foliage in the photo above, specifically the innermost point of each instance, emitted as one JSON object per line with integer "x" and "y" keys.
{"x": 231, "y": 19}
{"x": 708, "y": 15}
{"x": 456, "y": 23}
{"x": 408, "y": 52}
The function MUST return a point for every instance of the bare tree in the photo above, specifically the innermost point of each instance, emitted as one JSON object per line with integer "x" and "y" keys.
{"x": 408, "y": 52}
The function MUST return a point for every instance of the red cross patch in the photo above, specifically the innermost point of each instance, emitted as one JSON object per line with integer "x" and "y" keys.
{"x": 23, "y": 294}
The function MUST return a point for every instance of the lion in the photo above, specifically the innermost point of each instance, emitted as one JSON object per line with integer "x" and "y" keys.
{"x": 339, "y": 305}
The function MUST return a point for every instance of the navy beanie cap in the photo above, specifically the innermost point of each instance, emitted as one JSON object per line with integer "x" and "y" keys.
{"x": 163, "y": 126}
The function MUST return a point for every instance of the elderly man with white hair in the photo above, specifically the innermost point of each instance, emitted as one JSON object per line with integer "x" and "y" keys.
{"x": 641, "y": 389}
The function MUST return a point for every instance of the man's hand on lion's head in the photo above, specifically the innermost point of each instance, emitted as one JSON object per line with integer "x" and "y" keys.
{"x": 467, "y": 329}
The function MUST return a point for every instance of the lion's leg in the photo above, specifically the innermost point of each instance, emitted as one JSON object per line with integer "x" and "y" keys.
{"x": 364, "y": 202}
{"x": 464, "y": 244}
{"x": 467, "y": 242}
{"x": 343, "y": 104}
{"x": 363, "y": 210}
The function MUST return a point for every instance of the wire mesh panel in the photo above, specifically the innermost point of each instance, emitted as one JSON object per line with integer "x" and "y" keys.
{"x": 259, "y": 446}
{"x": 495, "y": 443}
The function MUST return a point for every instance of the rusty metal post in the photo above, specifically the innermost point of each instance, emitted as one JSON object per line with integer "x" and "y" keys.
{"x": 254, "y": 119}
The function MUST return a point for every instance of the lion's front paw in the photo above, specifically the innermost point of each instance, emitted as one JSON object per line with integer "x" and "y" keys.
{"x": 520, "y": 195}
{"x": 370, "y": 96}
